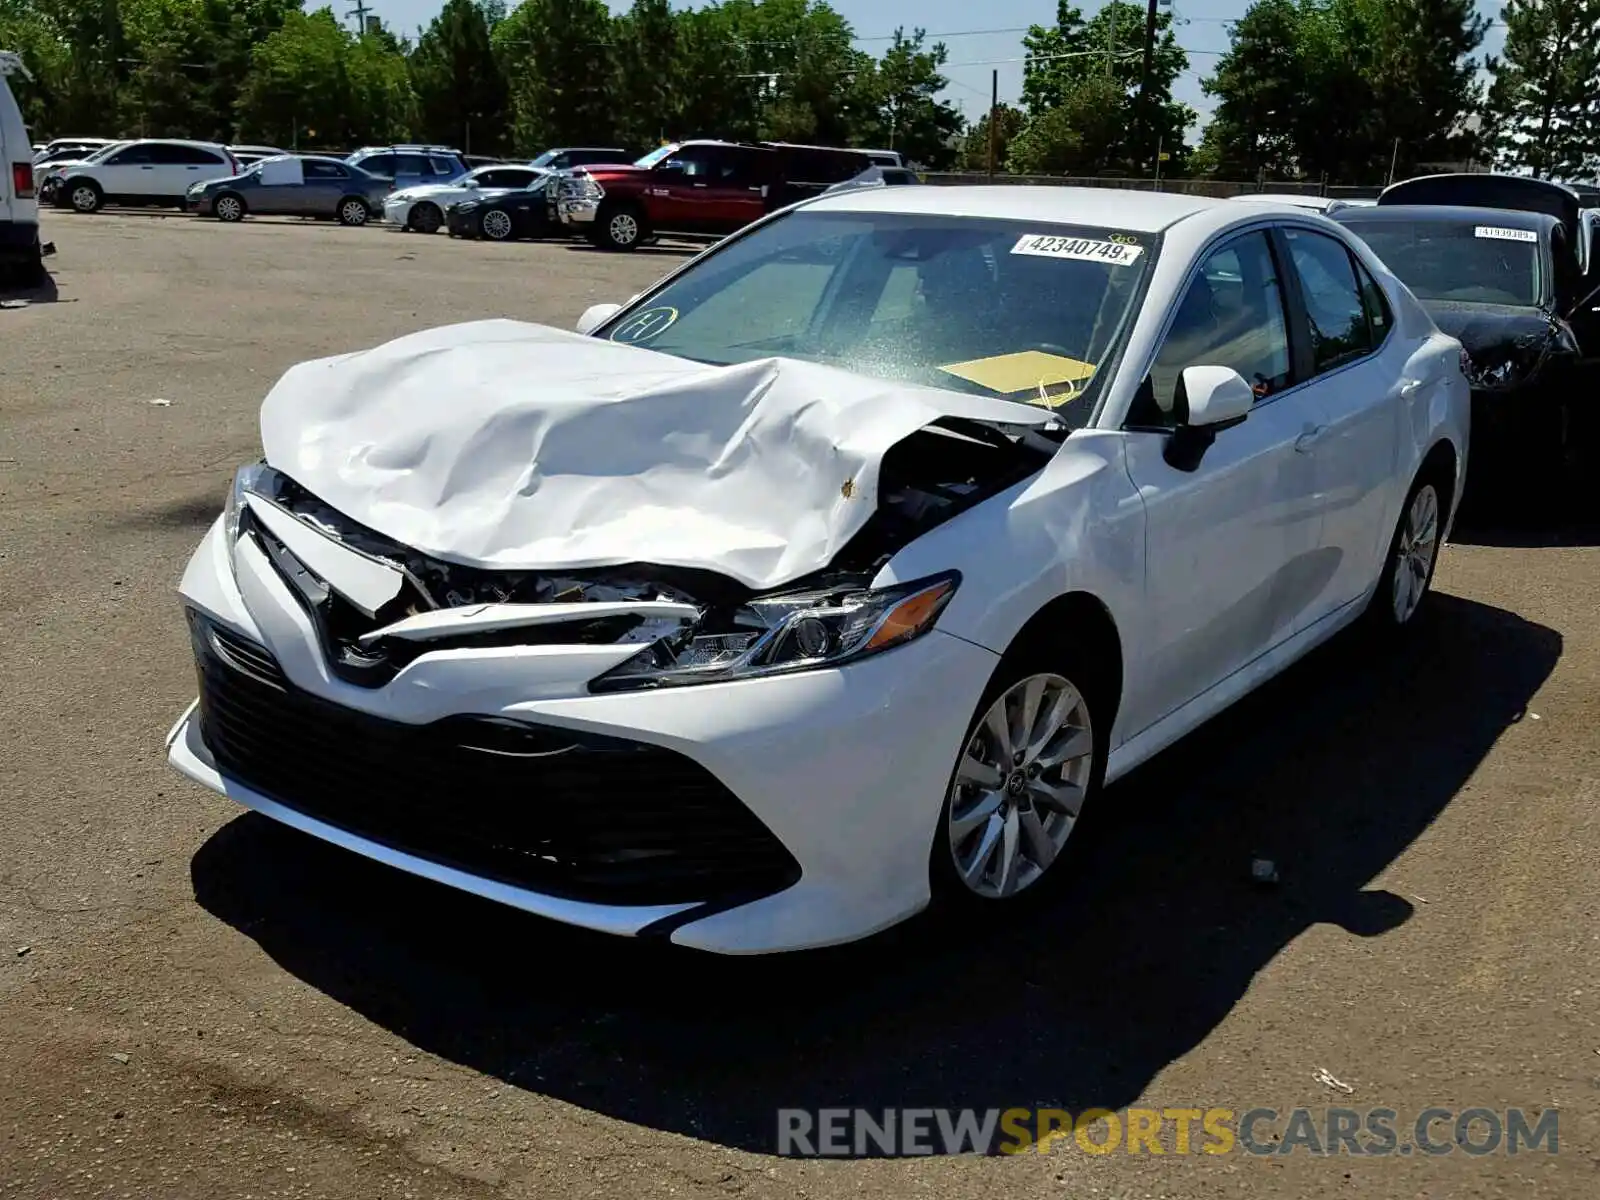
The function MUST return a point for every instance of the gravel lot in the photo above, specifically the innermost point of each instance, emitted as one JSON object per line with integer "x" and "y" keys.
{"x": 210, "y": 1006}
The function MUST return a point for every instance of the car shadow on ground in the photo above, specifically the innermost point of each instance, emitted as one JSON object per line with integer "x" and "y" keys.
{"x": 14, "y": 295}
{"x": 1331, "y": 771}
{"x": 668, "y": 249}
{"x": 1537, "y": 500}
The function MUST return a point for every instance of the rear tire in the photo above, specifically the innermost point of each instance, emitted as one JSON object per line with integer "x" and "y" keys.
{"x": 353, "y": 211}
{"x": 229, "y": 208}
{"x": 1015, "y": 797}
{"x": 425, "y": 217}
{"x": 1398, "y": 604}
{"x": 84, "y": 195}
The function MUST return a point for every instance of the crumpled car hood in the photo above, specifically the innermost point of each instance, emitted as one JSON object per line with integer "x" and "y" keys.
{"x": 1481, "y": 327}
{"x": 508, "y": 445}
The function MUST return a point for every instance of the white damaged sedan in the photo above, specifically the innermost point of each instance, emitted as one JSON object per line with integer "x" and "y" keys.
{"x": 833, "y": 575}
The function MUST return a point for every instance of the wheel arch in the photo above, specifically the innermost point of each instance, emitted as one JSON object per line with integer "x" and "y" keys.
{"x": 1081, "y": 620}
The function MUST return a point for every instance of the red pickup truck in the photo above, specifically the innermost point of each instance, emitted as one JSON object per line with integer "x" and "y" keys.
{"x": 700, "y": 188}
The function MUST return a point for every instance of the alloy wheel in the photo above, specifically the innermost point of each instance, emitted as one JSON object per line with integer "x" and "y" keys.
{"x": 353, "y": 213}
{"x": 1415, "y": 552}
{"x": 624, "y": 228}
{"x": 229, "y": 209}
{"x": 85, "y": 199}
{"x": 1019, "y": 785}
{"x": 496, "y": 225}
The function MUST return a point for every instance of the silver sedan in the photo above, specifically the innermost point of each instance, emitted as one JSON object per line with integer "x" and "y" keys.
{"x": 293, "y": 185}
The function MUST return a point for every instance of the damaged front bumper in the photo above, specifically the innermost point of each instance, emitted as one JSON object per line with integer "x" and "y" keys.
{"x": 747, "y": 816}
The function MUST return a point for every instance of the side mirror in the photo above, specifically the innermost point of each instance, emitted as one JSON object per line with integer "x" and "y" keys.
{"x": 1217, "y": 397}
{"x": 597, "y": 315}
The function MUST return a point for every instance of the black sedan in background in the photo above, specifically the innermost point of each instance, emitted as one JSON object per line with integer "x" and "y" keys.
{"x": 1509, "y": 287}
{"x": 505, "y": 215}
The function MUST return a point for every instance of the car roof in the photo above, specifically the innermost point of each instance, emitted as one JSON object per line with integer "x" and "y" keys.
{"x": 1112, "y": 208}
{"x": 173, "y": 142}
{"x": 1507, "y": 218}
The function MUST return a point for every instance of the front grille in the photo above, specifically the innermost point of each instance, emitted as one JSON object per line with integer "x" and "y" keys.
{"x": 572, "y": 815}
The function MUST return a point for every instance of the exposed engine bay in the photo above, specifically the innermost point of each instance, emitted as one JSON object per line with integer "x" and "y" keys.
{"x": 682, "y": 618}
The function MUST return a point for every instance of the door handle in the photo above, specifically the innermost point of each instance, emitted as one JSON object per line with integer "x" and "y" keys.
{"x": 147, "y": 168}
{"x": 1410, "y": 388}
{"x": 701, "y": 185}
{"x": 1307, "y": 440}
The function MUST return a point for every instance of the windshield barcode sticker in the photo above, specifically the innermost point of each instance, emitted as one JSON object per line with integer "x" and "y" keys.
{"x": 1047, "y": 245}
{"x": 1505, "y": 235}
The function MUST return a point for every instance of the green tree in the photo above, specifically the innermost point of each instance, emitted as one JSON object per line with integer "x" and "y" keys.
{"x": 1083, "y": 133}
{"x": 1344, "y": 88}
{"x": 649, "y": 71}
{"x": 314, "y": 83}
{"x": 558, "y": 58}
{"x": 1542, "y": 104}
{"x": 1008, "y": 122}
{"x": 460, "y": 90}
{"x": 910, "y": 116}
{"x": 1070, "y": 64}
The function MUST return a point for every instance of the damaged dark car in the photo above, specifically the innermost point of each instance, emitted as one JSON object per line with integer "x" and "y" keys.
{"x": 1518, "y": 290}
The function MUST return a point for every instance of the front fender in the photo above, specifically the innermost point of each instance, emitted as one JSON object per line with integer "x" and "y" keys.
{"x": 1077, "y": 526}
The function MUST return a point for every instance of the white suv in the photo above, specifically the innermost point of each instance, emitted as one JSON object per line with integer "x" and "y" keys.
{"x": 150, "y": 171}
{"x": 19, "y": 210}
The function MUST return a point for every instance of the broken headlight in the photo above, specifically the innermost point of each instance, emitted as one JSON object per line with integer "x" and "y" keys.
{"x": 252, "y": 477}
{"x": 806, "y": 631}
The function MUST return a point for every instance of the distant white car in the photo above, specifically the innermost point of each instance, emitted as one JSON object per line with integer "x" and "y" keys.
{"x": 831, "y": 576}
{"x": 146, "y": 171}
{"x": 422, "y": 208}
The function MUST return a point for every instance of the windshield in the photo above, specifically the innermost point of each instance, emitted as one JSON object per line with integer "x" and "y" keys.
{"x": 656, "y": 155}
{"x": 1458, "y": 261}
{"x": 1026, "y": 312}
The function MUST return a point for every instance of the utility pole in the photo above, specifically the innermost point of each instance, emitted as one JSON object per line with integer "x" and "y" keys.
{"x": 1111, "y": 42}
{"x": 360, "y": 11}
{"x": 1144, "y": 121}
{"x": 994, "y": 118}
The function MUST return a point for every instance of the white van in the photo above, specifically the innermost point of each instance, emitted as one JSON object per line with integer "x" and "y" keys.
{"x": 19, "y": 210}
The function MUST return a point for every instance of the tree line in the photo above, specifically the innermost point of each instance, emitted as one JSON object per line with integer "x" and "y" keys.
{"x": 1341, "y": 91}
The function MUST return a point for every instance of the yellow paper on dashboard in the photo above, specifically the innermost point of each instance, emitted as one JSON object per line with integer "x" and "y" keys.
{"x": 1024, "y": 371}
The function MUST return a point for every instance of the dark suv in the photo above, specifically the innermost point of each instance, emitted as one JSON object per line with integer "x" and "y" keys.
{"x": 701, "y": 188}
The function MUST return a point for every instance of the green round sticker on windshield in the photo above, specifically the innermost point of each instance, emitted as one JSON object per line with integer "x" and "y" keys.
{"x": 643, "y": 326}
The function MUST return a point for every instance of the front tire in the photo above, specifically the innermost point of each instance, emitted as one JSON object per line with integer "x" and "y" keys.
{"x": 85, "y": 196}
{"x": 621, "y": 227}
{"x": 1413, "y": 556}
{"x": 1034, "y": 755}
{"x": 425, "y": 218}
{"x": 228, "y": 208}
{"x": 353, "y": 211}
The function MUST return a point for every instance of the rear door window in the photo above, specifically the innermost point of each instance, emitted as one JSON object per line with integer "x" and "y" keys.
{"x": 1335, "y": 309}
{"x": 324, "y": 170}
{"x": 378, "y": 164}
{"x": 131, "y": 156}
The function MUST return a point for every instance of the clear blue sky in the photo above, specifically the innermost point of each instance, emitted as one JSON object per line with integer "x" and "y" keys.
{"x": 1202, "y": 31}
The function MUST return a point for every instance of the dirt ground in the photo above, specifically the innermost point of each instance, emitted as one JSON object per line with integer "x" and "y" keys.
{"x": 196, "y": 1003}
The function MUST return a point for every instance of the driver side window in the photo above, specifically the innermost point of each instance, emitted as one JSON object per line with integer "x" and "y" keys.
{"x": 1231, "y": 315}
